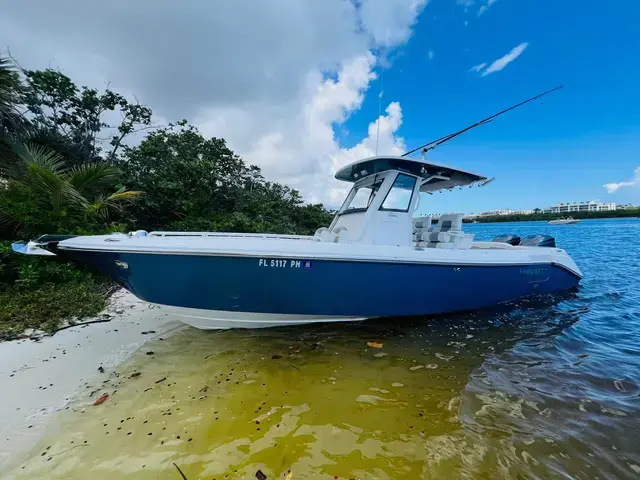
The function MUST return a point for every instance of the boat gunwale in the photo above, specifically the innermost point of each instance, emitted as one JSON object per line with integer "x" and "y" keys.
{"x": 314, "y": 257}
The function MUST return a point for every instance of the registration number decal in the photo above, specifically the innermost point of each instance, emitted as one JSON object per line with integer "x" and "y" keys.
{"x": 283, "y": 263}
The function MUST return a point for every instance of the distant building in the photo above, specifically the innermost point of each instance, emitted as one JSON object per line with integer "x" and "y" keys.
{"x": 627, "y": 206}
{"x": 495, "y": 213}
{"x": 499, "y": 213}
{"x": 589, "y": 206}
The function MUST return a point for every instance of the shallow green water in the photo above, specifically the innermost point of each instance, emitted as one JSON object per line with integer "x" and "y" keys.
{"x": 329, "y": 406}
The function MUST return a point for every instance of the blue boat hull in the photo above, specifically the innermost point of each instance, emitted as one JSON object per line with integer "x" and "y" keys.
{"x": 328, "y": 288}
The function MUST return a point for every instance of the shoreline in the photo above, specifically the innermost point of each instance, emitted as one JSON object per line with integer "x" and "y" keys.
{"x": 521, "y": 219}
{"x": 44, "y": 375}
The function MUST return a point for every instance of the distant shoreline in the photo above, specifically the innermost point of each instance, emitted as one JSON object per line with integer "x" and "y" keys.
{"x": 627, "y": 213}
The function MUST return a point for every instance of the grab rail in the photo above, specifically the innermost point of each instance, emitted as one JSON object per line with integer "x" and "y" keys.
{"x": 230, "y": 235}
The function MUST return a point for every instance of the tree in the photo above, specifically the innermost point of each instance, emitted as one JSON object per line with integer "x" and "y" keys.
{"x": 183, "y": 174}
{"x": 195, "y": 183}
{"x": 12, "y": 122}
{"x": 44, "y": 194}
{"x": 73, "y": 120}
{"x": 10, "y": 97}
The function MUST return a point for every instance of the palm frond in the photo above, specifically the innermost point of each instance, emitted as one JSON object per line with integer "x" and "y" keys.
{"x": 123, "y": 195}
{"x": 89, "y": 177}
{"x": 9, "y": 83}
{"x": 6, "y": 218}
{"x": 51, "y": 186}
{"x": 105, "y": 203}
{"x": 40, "y": 156}
{"x": 42, "y": 170}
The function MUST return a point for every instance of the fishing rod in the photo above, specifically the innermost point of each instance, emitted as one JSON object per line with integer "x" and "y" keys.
{"x": 436, "y": 143}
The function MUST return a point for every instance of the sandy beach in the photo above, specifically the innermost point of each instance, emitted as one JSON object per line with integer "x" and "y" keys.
{"x": 40, "y": 378}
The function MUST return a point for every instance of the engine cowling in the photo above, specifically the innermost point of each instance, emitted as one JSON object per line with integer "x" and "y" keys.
{"x": 538, "y": 240}
{"x": 511, "y": 239}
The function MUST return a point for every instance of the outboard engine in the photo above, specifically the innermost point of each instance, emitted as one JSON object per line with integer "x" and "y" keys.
{"x": 507, "y": 238}
{"x": 538, "y": 240}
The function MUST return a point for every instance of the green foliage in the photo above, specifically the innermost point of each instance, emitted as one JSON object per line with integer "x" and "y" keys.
{"x": 191, "y": 224}
{"x": 42, "y": 271}
{"x": 194, "y": 183}
{"x": 24, "y": 272}
{"x": 10, "y": 98}
{"x": 40, "y": 293}
{"x": 8, "y": 267}
{"x": 47, "y": 306}
{"x": 75, "y": 117}
{"x": 182, "y": 174}
{"x": 45, "y": 194}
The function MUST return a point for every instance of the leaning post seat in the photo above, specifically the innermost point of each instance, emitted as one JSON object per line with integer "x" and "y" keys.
{"x": 447, "y": 233}
{"x": 421, "y": 225}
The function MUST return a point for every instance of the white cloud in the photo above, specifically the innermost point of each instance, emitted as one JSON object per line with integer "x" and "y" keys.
{"x": 277, "y": 79}
{"x": 500, "y": 63}
{"x": 466, "y": 4}
{"x": 430, "y": 54}
{"x": 300, "y": 147}
{"x": 389, "y": 22}
{"x": 614, "y": 187}
{"x": 478, "y": 68}
{"x": 484, "y": 8}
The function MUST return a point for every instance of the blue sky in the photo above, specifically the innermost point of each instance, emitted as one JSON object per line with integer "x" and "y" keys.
{"x": 562, "y": 148}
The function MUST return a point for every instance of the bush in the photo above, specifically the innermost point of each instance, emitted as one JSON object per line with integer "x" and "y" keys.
{"x": 47, "y": 306}
{"x": 37, "y": 272}
{"x": 28, "y": 272}
{"x": 191, "y": 224}
{"x": 40, "y": 293}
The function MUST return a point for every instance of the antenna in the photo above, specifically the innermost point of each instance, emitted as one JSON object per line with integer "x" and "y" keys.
{"x": 436, "y": 143}
{"x": 379, "y": 108}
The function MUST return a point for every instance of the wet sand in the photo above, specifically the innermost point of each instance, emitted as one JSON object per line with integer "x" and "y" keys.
{"x": 40, "y": 378}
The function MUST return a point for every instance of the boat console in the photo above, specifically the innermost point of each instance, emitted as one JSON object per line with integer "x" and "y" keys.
{"x": 386, "y": 192}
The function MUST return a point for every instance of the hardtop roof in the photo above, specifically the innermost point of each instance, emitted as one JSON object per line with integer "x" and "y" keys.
{"x": 442, "y": 176}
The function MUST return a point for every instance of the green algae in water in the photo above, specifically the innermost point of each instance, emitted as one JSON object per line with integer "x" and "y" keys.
{"x": 314, "y": 400}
